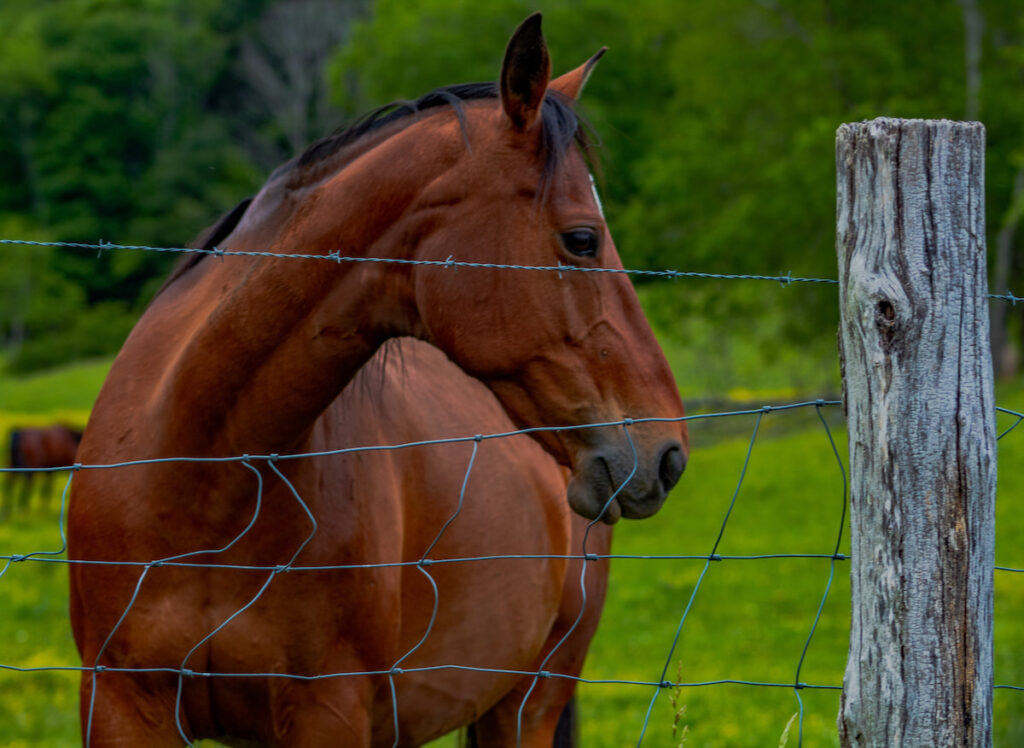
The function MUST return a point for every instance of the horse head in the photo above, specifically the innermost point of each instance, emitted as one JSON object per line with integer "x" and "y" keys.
{"x": 559, "y": 348}
{"x": 479, "y": 174}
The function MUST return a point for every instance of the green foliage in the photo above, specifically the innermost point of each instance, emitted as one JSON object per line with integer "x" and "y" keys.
{"x": 45, "y": 316}
{"x": 139, "y": 123}
{"x": 718, "y": 120}
{"x": 93, "y": 331}
{"x": 105, "y": 133}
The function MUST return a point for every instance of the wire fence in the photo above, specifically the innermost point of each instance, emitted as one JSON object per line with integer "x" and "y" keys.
{"x": 426, "y": 562}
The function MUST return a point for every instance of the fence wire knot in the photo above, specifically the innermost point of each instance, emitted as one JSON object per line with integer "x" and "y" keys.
{"x": 425, "y": 562}
{"x": 18, "y": 557}
{"x": 591, "y": 557}
{"x": 395, "y": 671}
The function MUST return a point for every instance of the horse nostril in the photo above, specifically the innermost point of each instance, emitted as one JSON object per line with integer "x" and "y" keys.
{"x": 671, "y": 467}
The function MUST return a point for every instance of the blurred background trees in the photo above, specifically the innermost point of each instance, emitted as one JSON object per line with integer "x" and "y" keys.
{"x": 140, "y": 122}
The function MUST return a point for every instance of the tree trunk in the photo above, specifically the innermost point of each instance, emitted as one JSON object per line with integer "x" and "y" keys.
{"x": 974, "y": 27}
{"x": 1004, "y": 362}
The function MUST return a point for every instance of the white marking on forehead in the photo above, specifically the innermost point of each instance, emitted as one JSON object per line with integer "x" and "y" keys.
{"x": 597, "y": 198}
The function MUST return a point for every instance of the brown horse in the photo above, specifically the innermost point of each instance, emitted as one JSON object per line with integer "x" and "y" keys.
{"x": 249, "y": 354}
{"x": 33, "y": 450}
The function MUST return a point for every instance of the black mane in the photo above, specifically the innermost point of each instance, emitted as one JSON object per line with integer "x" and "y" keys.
{"x": 561, "y": 126}
{"x": 208, "y": 240}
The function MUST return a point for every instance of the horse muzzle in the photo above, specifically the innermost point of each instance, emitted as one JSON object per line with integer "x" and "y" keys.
{"x": 610, "y": 482}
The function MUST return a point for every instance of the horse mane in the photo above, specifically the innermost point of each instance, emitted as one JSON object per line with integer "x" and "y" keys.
{"x": 208, "y": 239}
{"x": 561, "y": 128}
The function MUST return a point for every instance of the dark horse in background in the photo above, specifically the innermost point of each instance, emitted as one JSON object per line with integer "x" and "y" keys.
{"x": 257, "y": 355}
{"x": 35, "y": 451}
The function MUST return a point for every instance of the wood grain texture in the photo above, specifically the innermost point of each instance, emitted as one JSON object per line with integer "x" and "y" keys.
{"x": 917, "y": 381}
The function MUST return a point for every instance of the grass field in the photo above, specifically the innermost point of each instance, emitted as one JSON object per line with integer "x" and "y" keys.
{"x": 749, "y": 620}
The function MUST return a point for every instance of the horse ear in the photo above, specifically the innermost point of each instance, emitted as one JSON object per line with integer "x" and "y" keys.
{"x": 571, "y": 84}
{"x": 524, "y": 74}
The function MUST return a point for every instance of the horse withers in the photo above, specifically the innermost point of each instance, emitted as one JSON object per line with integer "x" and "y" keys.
{"x": 37, "y": 450}
{"x": 250, "y": 354}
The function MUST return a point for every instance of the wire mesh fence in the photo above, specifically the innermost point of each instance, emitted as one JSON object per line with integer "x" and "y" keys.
{"x": 661, "y": 685}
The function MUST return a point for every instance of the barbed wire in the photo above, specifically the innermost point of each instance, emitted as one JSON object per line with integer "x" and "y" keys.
{"x": 336, "y": 257}
{"x": 451, "y": 262}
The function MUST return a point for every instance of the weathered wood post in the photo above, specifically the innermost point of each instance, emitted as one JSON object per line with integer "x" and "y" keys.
{"x": 917, "y": 382}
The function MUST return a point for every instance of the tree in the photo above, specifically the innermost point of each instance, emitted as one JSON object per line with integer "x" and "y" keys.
{"x": 283, "y": 64}
{"x": 139, "y": 123}
{"x": 103, "y": 117}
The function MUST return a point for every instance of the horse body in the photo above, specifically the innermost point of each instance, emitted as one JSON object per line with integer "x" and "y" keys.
{"x": 371, "y": 507}
{"x": 44, "y": 447}
{"x": 245, "y": 355}
{"x": 35, "y": 449}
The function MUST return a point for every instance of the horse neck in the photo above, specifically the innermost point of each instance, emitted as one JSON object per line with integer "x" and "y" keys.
{"x": 268, "y": 345}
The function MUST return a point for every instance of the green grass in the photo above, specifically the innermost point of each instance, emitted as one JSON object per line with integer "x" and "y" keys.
{"x": 749, "y": 621}
{"x": 68, "y": 388}
{"x": 38, "y": 708}
{"x": 724, "y": 341}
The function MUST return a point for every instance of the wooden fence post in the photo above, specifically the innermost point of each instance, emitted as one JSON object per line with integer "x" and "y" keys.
{"x": 917, "y": 387}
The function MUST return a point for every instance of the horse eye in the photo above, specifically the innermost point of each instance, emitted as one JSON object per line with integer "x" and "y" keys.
{"x": 581, "y": 242}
